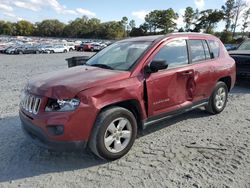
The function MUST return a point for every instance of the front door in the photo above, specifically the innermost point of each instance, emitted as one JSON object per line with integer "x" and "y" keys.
{"x": 172, "y": 88}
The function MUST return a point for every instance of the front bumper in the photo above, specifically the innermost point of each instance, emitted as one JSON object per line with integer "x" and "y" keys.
{"x": 39, "y": 137}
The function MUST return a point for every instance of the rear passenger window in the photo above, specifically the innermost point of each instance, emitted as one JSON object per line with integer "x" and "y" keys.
{"x": 197, "y": 50}
{"x": 207, "y": 53}
{"x": 175, "y": 53}
{"x": 214, "y": 47}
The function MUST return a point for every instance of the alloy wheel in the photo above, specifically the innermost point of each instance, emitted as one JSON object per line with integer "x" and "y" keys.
{"x": 220, "y": 97}
{"x": 118, "y": 135}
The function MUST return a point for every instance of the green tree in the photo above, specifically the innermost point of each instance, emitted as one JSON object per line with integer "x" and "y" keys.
{"x": 239, "y": 6}
{"x": 132, "y": 24}
{"x": 208, "y": 20}
{"x": 76, "y": 28}
{"x": 163, "y": 20}
{"x": 124, "y": 22}
{"x": 93, "y": 27}
{"x": 7, "y": 28}
{"x": 189, "y": 16}
{"x": 246, "y": 22}
{"x": 50, "y": 28}
{"x": 2, "y": 27}
{"x": 181, "y": 30}
{"x": 136, "y": 32}
{"x": 111, "y": 30}
{"x": 228, "y": 10}
{"x": 144, "y": 27}
{"x": 226, "y": 37}
{"x": 151, "y": 21}
{"x": 24, "y": 28}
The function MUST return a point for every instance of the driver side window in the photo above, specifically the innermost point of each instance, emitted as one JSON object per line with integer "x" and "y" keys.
{"x": 174, "y": 52}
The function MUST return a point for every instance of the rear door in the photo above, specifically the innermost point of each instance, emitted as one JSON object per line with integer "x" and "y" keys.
{"x": 202, "y": 64}
{"x": 168, "y": 90}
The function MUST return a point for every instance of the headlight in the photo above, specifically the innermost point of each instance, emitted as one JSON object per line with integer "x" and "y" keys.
{"x": 55, "y": 105}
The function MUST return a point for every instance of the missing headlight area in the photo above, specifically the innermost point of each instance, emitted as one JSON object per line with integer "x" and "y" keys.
{"x": 56, "y": 105}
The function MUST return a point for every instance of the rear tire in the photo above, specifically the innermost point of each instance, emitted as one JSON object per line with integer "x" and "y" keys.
{"x": 113, "y": 134}
{"x": 218, "y": 99}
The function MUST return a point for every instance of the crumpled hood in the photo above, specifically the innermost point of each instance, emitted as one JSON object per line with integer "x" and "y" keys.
{"x": 67, "y": 83}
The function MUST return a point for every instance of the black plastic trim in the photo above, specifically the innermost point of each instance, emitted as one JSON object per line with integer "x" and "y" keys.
{"x": 163, "y": 116}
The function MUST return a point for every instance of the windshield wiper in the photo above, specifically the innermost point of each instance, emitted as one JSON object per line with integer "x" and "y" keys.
{"x": 102, "y": 66}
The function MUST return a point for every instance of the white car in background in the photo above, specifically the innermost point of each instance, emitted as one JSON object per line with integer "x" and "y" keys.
{"x": 54, "y": 48}
{"x": 59, "y": 48}
{"x": 70, "y": 46}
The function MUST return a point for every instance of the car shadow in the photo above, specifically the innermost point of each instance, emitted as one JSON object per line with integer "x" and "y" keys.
{"x": 21, "y": 159}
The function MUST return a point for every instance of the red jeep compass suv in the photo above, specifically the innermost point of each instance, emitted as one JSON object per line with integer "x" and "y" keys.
{"x": 125, "y": 87}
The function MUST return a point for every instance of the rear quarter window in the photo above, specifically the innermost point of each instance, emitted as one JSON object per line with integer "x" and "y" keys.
{"x": 214, "y": 47}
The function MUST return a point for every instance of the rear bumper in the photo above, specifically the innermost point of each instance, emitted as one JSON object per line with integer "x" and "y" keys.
{"x": 38, "y": 137}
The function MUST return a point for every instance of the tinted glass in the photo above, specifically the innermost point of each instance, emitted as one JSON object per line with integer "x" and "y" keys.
{"x": 197, "y": 50}
{"x": 119, "y": 56}
{"x": 245, "y": 45}
{"x": 175, "y": 53}
{"x": 207, "y": 53}
{"x": 214, "y": 47}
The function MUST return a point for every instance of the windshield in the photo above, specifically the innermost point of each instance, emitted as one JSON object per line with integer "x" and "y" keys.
{"x": 119, "y": 56}
{"x": 245, "y": 45}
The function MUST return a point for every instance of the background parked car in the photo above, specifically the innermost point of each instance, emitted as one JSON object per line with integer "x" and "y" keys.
{"x": 47, "y": 48}
{"x": 53, "y": 48}
{"x": 3, "y": 48}
{"x": 98, "y": 46}
{"x": 27, "y": 49}
{"x": 88, "y": 47}
{"x": 59, "y": 48}
{"x": 231, "y": 46}
{"x": 11, "y": 50}
{"x": 242, "y": 58}
{"x": 69, "y": 46}
{"x": 24, "y": 45}
{"x": 79, "y": 47}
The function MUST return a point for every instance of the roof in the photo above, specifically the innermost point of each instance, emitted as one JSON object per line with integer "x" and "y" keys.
{"x": 150, "y": 38}
{"x": 153, "y": 38}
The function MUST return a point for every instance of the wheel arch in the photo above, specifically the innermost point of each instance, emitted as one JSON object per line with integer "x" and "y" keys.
{"x": 227, "y": 80}
{"x": 132, "y": 105}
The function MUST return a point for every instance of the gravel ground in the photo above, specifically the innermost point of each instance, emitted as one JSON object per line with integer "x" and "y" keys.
{"x": 218, "y": 152}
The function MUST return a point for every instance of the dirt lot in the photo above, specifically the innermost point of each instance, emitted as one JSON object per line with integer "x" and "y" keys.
{"x": 159, "y": 158}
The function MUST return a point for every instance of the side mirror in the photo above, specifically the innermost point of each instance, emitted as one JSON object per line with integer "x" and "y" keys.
{"x": 157, "y": 65}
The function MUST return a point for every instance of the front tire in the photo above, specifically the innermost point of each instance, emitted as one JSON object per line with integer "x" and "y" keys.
{"x": 218, "y": 99}
{"x": 114, "y": 133}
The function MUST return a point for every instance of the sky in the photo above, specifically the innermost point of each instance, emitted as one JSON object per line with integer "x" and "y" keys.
{"x": 105, "y": 10}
